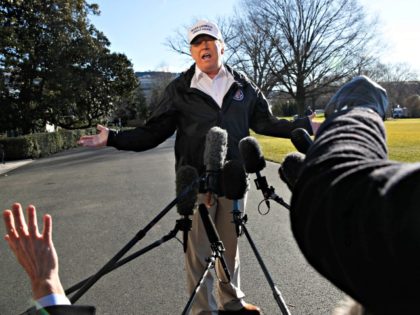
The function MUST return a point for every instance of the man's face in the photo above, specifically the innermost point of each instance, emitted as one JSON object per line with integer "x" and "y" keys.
{"x": 207, "y": 53}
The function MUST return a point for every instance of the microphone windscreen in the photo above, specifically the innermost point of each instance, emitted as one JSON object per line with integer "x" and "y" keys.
{"x": 251, "y": 155}
{"x": 234, "y": 180}
{"x": 301, "y": 140}
{"x": 215, "y": 149}
{"x": 290, "y": 168}
{"x": 186, "y": 189}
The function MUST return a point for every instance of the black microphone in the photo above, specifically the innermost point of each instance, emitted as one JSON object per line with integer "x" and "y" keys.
{"x": 186, "y": 189}
{"x": 290, "y": 168}
{"x": 301, "y": 140}
{"x": 254, "y": 162}
{"x": 214, "y": 238}
{"x": 214, "y": 157}
{"x": 235, "y": 185}
{"x": 234, "y": 180}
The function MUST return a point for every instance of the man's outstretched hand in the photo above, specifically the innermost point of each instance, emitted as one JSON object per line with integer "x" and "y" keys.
{"x": 98, "y": 140}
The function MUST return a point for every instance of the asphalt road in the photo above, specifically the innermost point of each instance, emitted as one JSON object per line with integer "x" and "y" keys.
{"x": 100, "y": 199}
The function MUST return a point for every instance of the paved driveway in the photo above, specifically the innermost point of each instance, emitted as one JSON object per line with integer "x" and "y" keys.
{"x": 100, "y": 199}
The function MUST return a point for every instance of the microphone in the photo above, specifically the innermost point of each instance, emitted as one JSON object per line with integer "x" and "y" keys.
{"x": 235, "y": 185}
{"x": 214, "y": 238}
{"x": 301, "y": 140}
{"x": 290, "y": 168}
{"x": 251, "y": 154}
{"x": 254, "y": 162}
{"x": 186, "y": 189}
{"x": 214, "y": 157}
{"x": 234, "y": 180}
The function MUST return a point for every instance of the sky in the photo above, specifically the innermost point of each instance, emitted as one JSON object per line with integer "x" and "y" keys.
{"x": 139, "y": 28}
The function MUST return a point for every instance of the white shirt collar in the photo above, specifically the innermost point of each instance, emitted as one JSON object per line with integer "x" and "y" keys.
{"x": 199, "y": 74}
{"x": 216, "y": 87}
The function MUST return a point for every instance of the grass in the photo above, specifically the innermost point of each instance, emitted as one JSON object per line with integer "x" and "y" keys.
{"x": 403, "y": 138}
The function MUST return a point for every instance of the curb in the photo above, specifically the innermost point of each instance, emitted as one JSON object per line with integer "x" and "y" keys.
{"x": 9, "y": 166}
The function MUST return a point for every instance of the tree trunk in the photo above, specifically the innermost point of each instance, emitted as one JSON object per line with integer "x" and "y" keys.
{"x": 300, "y": 97}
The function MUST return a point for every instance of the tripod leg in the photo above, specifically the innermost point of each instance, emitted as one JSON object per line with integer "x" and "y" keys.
{"x": 214, "y": 238}
{"x": 276, "y": 292}
{"x": 122, "y": 262}
{"x": 140, "y": 234}
{"x": 210, "y": 265}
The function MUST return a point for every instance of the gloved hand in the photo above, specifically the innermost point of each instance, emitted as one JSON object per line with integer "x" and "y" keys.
{"x": 361, "y": 91}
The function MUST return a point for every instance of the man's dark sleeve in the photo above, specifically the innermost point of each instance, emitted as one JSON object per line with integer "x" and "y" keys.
{"x": 355, "y": 214}
{"x": 158, "y": 128}
{"x": 263, "y": 122}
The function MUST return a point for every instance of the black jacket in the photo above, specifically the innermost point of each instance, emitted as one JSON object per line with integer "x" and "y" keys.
{"x": 192, "y": 113}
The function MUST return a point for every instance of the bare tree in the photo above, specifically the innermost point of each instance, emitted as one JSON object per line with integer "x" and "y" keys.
{"x": 318, "y": 43}
{"x": 179, "y": 42}
{"x": 254, "y": 50}
{"x": 297, "y": 47}
{"x": 391, "y": 72}
{"x": 399, "y": 79}
{"x": 159, "y": 84}
{"x": 413, "y": 104}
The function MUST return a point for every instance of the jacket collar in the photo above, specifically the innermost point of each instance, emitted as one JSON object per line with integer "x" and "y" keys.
{"x": 187, "y": 76}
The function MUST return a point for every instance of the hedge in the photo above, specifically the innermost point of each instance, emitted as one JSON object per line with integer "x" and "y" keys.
{"x": 37, "y": 145}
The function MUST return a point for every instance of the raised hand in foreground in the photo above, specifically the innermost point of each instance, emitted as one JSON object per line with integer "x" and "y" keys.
{"x": 34, "y": 251}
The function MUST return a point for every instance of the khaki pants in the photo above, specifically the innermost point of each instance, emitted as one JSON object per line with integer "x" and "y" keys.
{"x": 229, "y": 294}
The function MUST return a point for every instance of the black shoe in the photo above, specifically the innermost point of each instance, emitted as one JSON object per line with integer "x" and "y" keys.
{"x": 247, "y": 309}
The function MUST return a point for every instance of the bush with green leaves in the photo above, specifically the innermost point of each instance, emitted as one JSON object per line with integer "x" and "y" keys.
{"x": 37, "y": 145}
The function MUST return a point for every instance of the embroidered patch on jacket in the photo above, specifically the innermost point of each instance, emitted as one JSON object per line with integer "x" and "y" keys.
{"x": 239, "y": 95}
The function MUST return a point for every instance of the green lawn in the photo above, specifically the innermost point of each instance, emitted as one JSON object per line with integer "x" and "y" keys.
{"x": 403, "y": 137}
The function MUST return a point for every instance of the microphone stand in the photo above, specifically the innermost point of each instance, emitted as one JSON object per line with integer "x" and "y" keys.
{"x": 217, "y": 250}
{"x": 269, "y": 192}
{"x": 181, "y": 225}
{"x": 240, "y": 222}
{"x": 210, "y": 264}
{"x": 114, "y": 263}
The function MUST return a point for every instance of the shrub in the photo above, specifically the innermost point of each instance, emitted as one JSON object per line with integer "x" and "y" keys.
{"x": 281, "y": 108}
{"x": 18, "y": 148}
{"x": 41, "y": 144}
